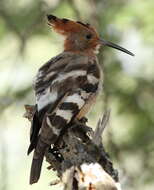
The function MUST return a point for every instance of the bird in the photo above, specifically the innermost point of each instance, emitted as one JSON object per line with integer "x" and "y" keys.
{"x": 66, "y": 86}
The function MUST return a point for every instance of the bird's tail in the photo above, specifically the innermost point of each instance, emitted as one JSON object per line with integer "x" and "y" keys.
{"x": 37, "y": 161}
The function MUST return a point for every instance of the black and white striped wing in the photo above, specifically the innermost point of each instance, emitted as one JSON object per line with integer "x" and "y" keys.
{"x": 67, "y": 83}
{"x": 78, "y": 85}
{"x": 45, "y": 97}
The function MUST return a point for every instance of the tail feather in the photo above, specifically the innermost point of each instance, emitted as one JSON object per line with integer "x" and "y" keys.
{"x": 35, "y": 127}
{"x": 37, "y": 161}
{"x": 36, "y": 170}
{"x": 31, "y": 147}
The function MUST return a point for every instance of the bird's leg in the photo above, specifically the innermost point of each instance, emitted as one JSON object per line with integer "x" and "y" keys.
{"x": 81, "y": 125}
{"x": 83, "y": 120}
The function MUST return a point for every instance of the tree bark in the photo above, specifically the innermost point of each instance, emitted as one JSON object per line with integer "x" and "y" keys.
{"x": 80, "y": 159}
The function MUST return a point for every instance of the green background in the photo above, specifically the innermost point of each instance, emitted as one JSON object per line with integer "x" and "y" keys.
{"x": 26, "y": 42}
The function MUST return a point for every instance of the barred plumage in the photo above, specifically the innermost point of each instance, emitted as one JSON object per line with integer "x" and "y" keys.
{"x": 65, "y": 87}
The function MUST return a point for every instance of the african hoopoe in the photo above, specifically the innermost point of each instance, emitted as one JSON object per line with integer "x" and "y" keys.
{"x": 66, "y": 86}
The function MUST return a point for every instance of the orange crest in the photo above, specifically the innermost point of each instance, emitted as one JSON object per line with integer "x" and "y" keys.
{"x": 65, "y": 26}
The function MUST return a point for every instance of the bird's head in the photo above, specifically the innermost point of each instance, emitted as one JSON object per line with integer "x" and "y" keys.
{"x": 80, "y": 37}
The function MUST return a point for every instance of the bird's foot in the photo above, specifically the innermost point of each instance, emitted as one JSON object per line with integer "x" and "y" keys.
{"x": 83, "y": 120}
{"x": 80, "y": 125}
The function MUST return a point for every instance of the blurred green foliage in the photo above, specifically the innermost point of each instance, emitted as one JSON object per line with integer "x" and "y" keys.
{"x": 27, "y": 43}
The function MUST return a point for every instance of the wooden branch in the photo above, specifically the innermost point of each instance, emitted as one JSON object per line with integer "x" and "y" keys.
{"x": 80, "y": 159}
{"x": 102, "y": 123}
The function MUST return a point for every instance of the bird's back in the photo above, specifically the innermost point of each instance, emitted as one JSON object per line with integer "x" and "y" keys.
{"x": 57, "y": 76}
{"x": 66, "y": 72}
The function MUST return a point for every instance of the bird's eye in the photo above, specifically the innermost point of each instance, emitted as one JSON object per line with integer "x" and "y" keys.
{"x": 88, "y": 36}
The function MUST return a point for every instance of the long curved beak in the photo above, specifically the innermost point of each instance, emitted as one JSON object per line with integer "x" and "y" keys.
{"x": 112, "y": 45}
